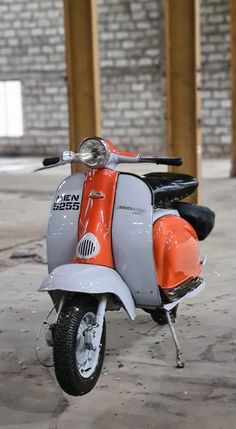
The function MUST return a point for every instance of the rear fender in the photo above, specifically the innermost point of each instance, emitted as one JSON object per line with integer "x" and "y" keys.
{"x": 90, "y": 279}
{"x": 176, "y": 251}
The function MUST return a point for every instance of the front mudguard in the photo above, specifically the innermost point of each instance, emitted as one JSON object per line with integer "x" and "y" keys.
{"x": 90, "y": 279}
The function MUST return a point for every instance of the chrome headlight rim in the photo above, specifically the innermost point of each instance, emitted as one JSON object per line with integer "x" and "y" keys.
{"x": 101, "y": 163}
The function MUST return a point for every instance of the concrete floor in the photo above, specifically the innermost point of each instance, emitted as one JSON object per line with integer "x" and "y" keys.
{"x": 139, "y": 386}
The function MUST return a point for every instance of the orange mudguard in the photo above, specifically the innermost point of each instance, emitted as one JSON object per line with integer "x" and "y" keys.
{"x": 176, "y": 251}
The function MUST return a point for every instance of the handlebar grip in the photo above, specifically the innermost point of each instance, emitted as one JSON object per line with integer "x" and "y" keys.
{"x": 164, "y": 160}
{"x": 170, "y": 161}
{"x": 51, "y": 161}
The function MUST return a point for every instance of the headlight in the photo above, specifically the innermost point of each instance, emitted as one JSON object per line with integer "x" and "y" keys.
{"x": 93, "y": 152}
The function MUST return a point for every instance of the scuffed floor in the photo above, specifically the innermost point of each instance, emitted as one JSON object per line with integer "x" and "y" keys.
{"x": 140, "y": 386}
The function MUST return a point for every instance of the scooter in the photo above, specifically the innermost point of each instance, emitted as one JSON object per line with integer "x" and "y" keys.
{"x": 117, "y": 240}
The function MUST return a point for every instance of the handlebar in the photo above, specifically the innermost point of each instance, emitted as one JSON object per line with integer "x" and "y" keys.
{"x": 69, "y": 157}
{"x": 169, "y": 160}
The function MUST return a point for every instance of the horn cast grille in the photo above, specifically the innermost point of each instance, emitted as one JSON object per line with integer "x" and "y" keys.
{"x": 88, "y": 246}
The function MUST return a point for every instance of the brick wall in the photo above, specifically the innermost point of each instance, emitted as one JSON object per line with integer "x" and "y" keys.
{"x": 132, "y": 73}
{"x": 131, "y": 42}
{"x": 32, "y": 51}
{"x": 215, "y": 88}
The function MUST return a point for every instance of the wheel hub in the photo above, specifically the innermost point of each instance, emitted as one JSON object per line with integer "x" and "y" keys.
{"x": 86, "y": 354}
{"x": 89, "y": 336}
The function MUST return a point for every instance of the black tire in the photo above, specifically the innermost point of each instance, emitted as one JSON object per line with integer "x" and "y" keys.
{"x": 64, "y": 348}
{"x": 159, "y": 315}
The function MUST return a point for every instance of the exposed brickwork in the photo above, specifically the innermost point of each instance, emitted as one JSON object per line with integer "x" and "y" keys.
{"x": 131, "y": 74}
{"x": 32, "y": 51}
{"x": 132, "y": 70}
{"x": 215, "y": 94}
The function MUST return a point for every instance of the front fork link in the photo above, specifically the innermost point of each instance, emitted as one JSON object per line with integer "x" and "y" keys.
{"x": 93, "y": 334}
{"x": 48, "y": 327}
{"x": 179, "y": 363}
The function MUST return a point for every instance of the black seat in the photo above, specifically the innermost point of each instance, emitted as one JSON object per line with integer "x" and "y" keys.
{"x": 169, "y": 187}
{"x": 201, "y": 218}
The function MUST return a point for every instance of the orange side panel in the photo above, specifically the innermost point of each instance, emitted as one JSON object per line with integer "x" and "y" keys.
{"x": 96, "y": 213}
{"x": 176, "y": 251}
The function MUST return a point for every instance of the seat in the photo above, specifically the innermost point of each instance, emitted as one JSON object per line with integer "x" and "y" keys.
{"x": 169, "y": 187}
{"x": 201, "y": 218}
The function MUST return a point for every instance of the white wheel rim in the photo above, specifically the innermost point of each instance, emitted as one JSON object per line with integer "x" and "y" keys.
{"x": 86, "y": 359}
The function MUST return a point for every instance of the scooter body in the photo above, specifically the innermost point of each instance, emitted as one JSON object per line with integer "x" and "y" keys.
{"x": 137, "y": 238}
{"x": 120, "y": 240}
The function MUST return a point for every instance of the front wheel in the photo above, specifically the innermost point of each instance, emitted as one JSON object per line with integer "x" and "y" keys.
{"x": 77, "y": 366}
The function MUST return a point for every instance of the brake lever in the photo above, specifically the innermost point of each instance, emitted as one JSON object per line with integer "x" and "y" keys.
{"x": 49, "y": 166}
{"x": 68, "y": 157}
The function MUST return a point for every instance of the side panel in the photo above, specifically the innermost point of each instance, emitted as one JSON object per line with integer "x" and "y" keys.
{"x": 132, "y": 239}
{"x": 176, "y": 250}
{"x": 62, "y": 236}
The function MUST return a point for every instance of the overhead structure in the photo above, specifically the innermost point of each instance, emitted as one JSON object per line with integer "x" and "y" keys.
{"x": 82, "y": 70}
{"x": 233, "y": 85}
{"x": 182, "y": 47}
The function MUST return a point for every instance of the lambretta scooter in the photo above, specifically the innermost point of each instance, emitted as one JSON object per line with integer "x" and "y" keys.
{"x": 117, "y": 240}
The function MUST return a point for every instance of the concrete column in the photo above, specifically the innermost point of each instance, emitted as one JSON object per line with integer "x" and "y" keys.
{"x": 182, "y": 44}
{"x": 82, "y": 70}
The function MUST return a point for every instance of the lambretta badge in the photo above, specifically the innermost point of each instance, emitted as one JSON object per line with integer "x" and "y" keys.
{"x": 67, "y": 202}
{"x": 134, "y": 210}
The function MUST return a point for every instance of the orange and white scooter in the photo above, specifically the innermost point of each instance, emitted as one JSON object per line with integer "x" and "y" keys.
{"x": 117, "y": 240}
